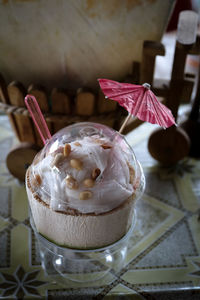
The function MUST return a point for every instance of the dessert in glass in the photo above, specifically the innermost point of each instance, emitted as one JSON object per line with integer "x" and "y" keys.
{"x": 83, "y": 186}
{"x": 82, "y": 189}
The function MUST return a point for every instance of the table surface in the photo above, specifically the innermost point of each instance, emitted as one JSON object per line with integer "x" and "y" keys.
{"x": 163, "y": 260}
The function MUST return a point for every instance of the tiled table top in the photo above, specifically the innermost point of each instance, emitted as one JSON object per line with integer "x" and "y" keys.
{"x": 163, "y": 260}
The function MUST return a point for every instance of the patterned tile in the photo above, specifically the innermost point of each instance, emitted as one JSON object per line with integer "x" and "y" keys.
{"x": 5, "y": 202}
{"x": 179, "y": 242}
{"x": 5, "y": 146}
{"x": 196, "y": 189}
{"x": 3, "y": 223}
{"x": 150, "y": 227}
{"x": 4, "y": 249}
{"x": 71, "y": 294}
{"x": 163, "y": 253}
{"x": 166, "y": 192}
{"x": 20, "y": 208}
{"x": 20, "y": 284}
{"x": 121, "y": 289}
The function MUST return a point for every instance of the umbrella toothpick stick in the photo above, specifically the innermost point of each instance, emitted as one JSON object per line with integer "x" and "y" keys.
{"x": 124, "y": 123}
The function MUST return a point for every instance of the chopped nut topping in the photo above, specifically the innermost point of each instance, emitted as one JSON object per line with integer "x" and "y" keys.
{"x": 67, "y": 150}
{"x": 95, "y": 173}
{"x": 85, "y": 195}
{"x": 132, "y": 173}
{"x": 71, "y": 183}
{"x": 77, "y": 144}
{"x": 88, "y": 182}
{"x": 57, "y": 159}
{"x": 136, "y": 185}
{"x": 76, "y": 164}
{"x": 106, "y": 146}
{"x": 37, "y": 180}
{"x": 98, "y": 141}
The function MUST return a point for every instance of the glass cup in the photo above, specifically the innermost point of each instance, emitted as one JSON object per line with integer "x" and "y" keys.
{"x": 94, "y": 261}
{"x": 82, "y": 265}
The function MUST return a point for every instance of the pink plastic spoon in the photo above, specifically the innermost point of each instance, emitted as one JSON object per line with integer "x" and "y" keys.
{"x": 38, "y": 118}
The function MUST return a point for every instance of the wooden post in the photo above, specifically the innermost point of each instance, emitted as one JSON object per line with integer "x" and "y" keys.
{"x": 85, "y": 103}
{"x": 24, "y": 125}
{"x": 40, "y": 94}
{"x": 192, "y": 124}
{"x": 58, "y": 122}
{"x": 60, "y": 101}
{"x": 105, "y": 105}
{"x": 186, "y": 38}
{"x": 136, "y": 72}
{"x": 150, "y": 51}
{"x": 173, "y": 144}
{"x": 10, "y": 113}
{"x": 16, "y": 93}
{"x": 3, "y": 91}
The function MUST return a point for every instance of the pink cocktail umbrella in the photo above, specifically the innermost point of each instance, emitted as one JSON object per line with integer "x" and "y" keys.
{"x": 139, "y": 101}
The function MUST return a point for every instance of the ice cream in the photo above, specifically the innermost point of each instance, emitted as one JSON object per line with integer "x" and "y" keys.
{"x": 83, "y": 185}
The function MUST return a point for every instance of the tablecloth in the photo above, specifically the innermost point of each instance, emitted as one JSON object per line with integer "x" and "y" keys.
{"x": 163, "y": 260}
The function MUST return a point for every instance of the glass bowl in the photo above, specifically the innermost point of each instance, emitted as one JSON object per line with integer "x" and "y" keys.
{"x": 107, "y": 218}
{"x": 82, "y": 265}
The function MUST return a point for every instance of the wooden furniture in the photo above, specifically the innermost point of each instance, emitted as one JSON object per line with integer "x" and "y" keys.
{"x": 192, "y": 124}
{"x": 170, "y": 145}
{"x": 19, "y": 159}
{"x": 71, "y": 43}
{"x": 62, "y": 107}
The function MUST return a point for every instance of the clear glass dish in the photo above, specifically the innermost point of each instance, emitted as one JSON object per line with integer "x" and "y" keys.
{"x": 82, "y": 265}
{"x": 105, "y": 218}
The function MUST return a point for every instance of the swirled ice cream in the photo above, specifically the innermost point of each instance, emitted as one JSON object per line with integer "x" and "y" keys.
{"x": 83, "y": 185}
